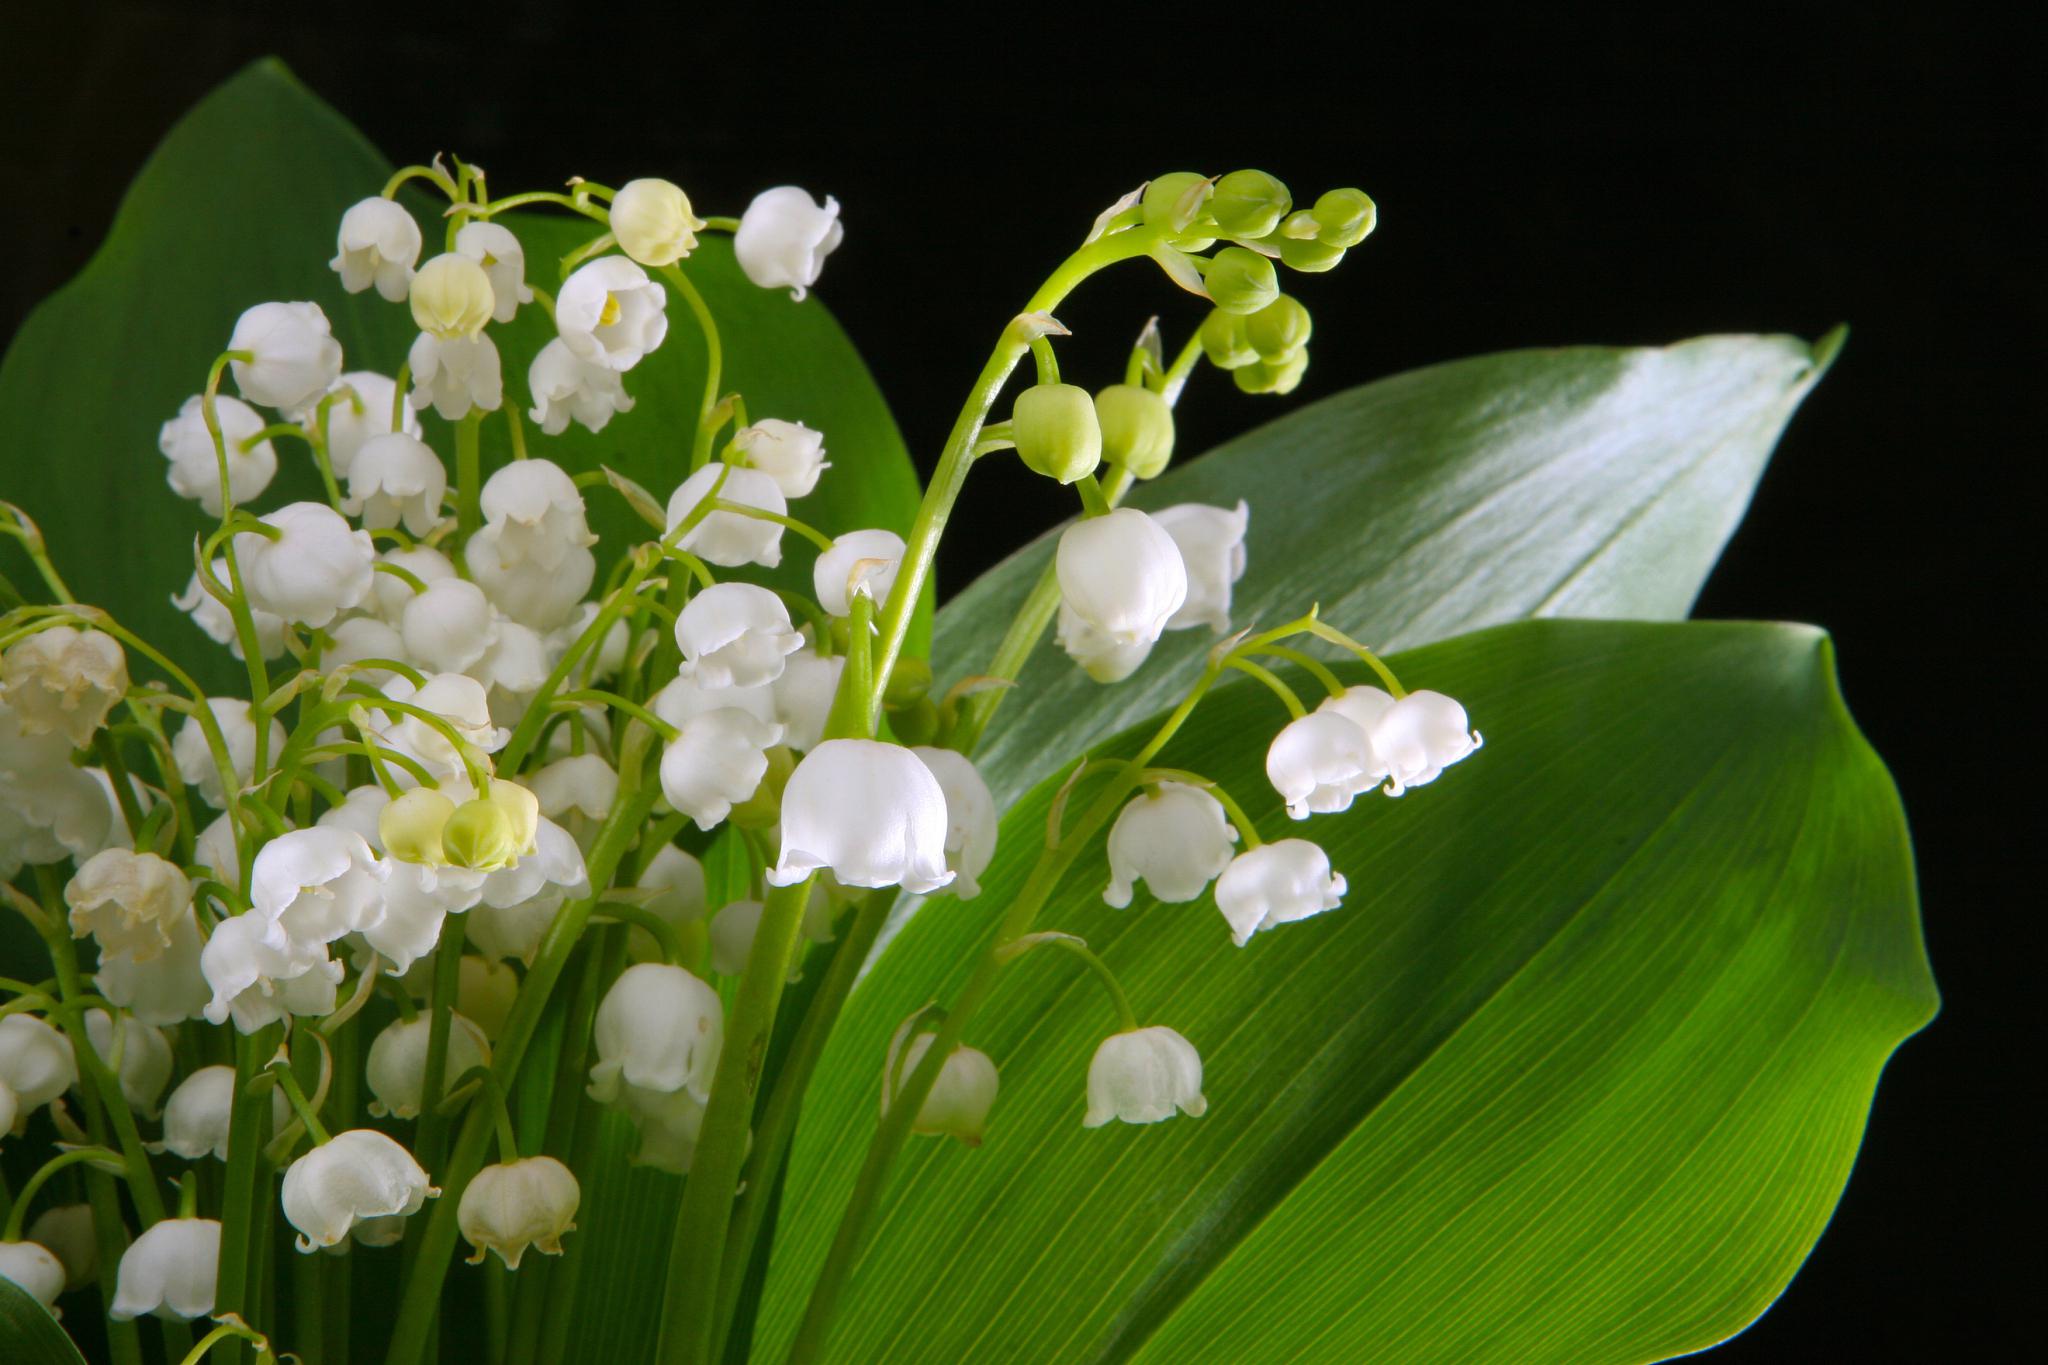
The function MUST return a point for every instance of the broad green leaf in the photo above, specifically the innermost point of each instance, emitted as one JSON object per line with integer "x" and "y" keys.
{"x": 28, "y": 1334}
{"x": 240, "y": 204}
{"x": 1589, "y": 481}
{"x": 1576, "y": 1073}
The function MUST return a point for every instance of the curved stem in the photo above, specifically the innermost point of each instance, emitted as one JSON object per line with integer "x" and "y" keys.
{"x": 714, "y": 364}
{"x": 1078, "y": 946}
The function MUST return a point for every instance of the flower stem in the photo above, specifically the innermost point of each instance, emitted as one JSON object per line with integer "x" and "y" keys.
{"x": 714, "y": 364}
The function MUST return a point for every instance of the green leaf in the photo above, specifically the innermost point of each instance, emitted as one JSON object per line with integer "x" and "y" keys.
{"x": 239, "y": 205}
{"x": 28, "y": 1334}
{"x": 1589, "y": 481}
{"x": 1576, "y": 1073}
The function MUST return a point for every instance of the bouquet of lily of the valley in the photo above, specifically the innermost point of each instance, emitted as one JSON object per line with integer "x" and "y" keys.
{"x": 557, "y": 831}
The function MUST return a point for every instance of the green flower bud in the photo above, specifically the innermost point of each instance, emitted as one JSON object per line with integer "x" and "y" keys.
{"x": 1279, "y": 329}
{"x": 1344, "y": 218}
{"x": 1309, "y": 257}
{"x": 1177, "y": 200}
{"x": 1249, "y": 204}
{"x": 521, "y": 807}
{"x": 1300, "y": 226}
{"x": 410, "y": 825}
{"x": 1137, "y": 429}
{"x": 908, "y": 683}
{"x": 1273, "y": 376}
{"x": 479, "y": 834}
{"x": 917, "y": 724}
{"x": 764, "y": 807}
{"x": 1056, "y": 432}
{"x": 1241, "y": 280}
{"x": 1223, "y": 339}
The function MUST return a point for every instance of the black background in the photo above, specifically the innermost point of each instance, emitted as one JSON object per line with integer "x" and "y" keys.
{"x": 1563, "y": 178}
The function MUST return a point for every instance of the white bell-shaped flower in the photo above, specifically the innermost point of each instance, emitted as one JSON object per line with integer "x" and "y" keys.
{"x": 1320, "y": 762}
{"x": 455, "y": 374}
{"x": 451, "y": 297}
{"x": 1122, "y": 574}
{"x": 970, "y": 817}
{"x": 314, "y": 885}
{"x": 195, "y": 464}
{"x": 397, "y": 1066}
{"x": 417, "y": 902}
{"x": 66, "y": 1231}
{"x": 610, "y": 314}
{"x": 35, "y": 1270}
{"x": 200, "y": 1112}
{"x": 138, "y": 1054}
{"x": 378, "y": 244}
{"x": 64, "y": 681}
{"x": 1211, "y": 543}
{"x": 537, "y": 511}
{"x": 513, "y": 669}
{"x": 566, "y": 387}
{"x": 730, "y": 539}
{"x": 194, "y": 757}
{"x": 788, "y": 452}
{"x": 170, "y": 1270}
{"x": 389, "y": 593}
{"x": 129, "y": 902}
{"x": 1421, "y": 735}
{"x": 870, "y": 812}
{"x": 583, "y": 783}
{"x": 1175, "y": 838}
{"x": 1362, "y": 705}
{"x": 669, "y": 1125}
{"x": 653, "y": 222}
{"x": 215, "y": 850}
{"x": 1104, "y": 657}
{"x": 859, "y": 564}
{"x": 358, "y": 407}
{"x": 658, "y": 1028}
{"x": 514, "y": 1205}
{"x": 396, "y": 479}
{"x": 458, "y": 700}
{"x": 354, "y": 1175}
{"x": 36, "y": 1062}
{"x": 958, "y": 1103}
{"x": 1143, "y": 1076}
{"x": 684, "y": 699}
{"x": 211, "y": 615}
{"x": 673, "y": 883}
{"x": 498, "y": 251}
{"x": 449, "y": 626}
{"x": 803, "y": 696}
{"x": 531, "y": 592}
{"x": 164, "y": 990}
{"x": 356, "y": 638}
{"x": 784, "y": 238}
{"x": 715, "y": 763}
{"x": 1276, "y": 885}
{"x": 293, "y": 355}
{"x": 255, "y": 982}
{"x": 735, "y": 635}
{"x": 315, "y": 568}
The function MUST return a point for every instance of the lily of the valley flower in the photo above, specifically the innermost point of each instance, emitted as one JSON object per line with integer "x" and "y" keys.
{"x": 1275, "y": 884}
{"x": 355, "y": 1175}
{"x": 316, "y": 567}
{"x": 533, "y": 592}
{"x": 455, "y": 374}
{"x": 1175, "y": 838}
{"x": 1144, "y": 1076}
{"x": 256, "y": 983}
{"x": 449, "y": 626}
{"x": 452, "y": 297}
{"x": 194, "y": 758}
{"x": 195, "y": 462}
{"x": 716, "y": 763}
{"x": 870, "y": 812}
{"x": 394, "y": 479}
{"x": 537, "y": 511}
{"x": 358, "y": 407}
{"x": 378, "y": 244}
{"x": 314, "y": 885}
{"x": 957, "y": 1105}
{"x": 735, "y": 635}
{"x": 1419, "y": 736}
{"x": 492, "y": 246}
{"x": 198, "y": 1114}
{"x": 64, "y": 681}
{"x": 609, "y": 313}
{"x": 653, "y": 222}
{"x": 139, "y": 1055}
{"x": 211, "y": 615}
{"x": 730, "y": 539}
{"x": 565, "y": 386}
{"x": 518, "y": 1204}
{"x": 970, "y": 817}
{"x": 34, "y": 1269}
{"x": 784, "y": 238}
{"x": 659, "y": 1028}
{"x": 293, "y": 355}
{"x": 397, "y": 1065}
{"x": 788, "y": 452}
{"x": 165, "y": 989}
{"x": 36, "y": 1065}
{"x": 1211, "y": 544}
{"x": 803, "y": 696}
{"x": 170, "y": 1270}
{"x": 859, "y": 564}
{"x": 128, "y": 901}
{"x": 66, "y": 1230}
{"x": 1320, "y": 762}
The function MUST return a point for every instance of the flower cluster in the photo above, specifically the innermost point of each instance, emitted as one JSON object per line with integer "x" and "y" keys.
{"x": 487, "y": 771}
